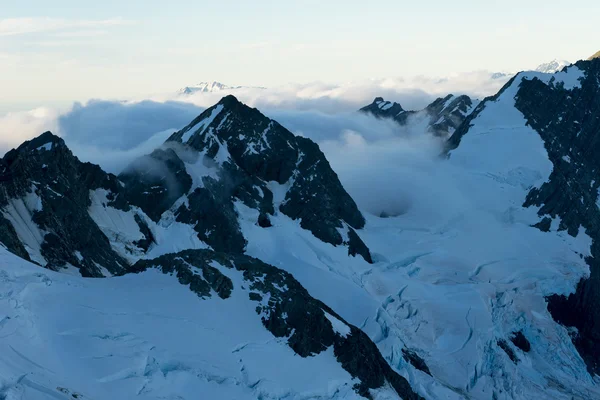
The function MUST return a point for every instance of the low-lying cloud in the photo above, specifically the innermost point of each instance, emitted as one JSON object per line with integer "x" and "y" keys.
{"x": 385, "y": 167}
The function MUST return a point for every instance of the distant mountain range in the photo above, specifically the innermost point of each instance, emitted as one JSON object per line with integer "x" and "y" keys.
{"x": 441, "y": 118}
{"x": 212, "y": 87}
{"x": 552, "y": 66}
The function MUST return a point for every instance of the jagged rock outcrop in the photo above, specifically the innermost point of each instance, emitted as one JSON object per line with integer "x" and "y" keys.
{"x": 236, "y": 154}
{"x": 569, "y": 123}
{"x": 286, "y": 310}
{"x": 62, "y": 213}
{"x": 384, "y": 109}
{"x": 443, "y": 116}
{"x": 154, "y": 182}
{"x": 44, "y": 200}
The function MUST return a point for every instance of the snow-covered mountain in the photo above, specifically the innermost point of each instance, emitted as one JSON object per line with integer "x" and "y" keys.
{"x": 552, "y": 66}
{"x": 211, "y": 87}
{"x": 238, "y": 266}
{"x": 187, "y": 210}
{"x": 441, "y": 117}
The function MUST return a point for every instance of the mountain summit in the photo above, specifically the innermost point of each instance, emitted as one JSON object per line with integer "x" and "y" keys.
{"x": 441, "y": 117}
{"x": 596, "y": 55}
{"x": 552, "y": 66}
{"x": 183, "y": 220}
{"x": 212, "y": 87}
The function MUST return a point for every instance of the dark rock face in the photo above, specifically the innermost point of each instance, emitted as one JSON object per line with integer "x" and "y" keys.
{"x": 46, "y": 169}
{"x": 191, "y": 268}
{"x": 416, "y": 361}
{"x": 445, "y": 114}
{"x": 503, "y": 344}
{"x": 10, "y": 239}
{"x": 520, "y": 341}
{"x": 318, "y": 198}
{"x": 448, "y": 113}
{"x": 252, "y": 150}
{"x": 154, "y": 182}
{"x": 384, "y": 109}
{"x": 289, "y": 312}
{"x": 357, "y": 246}
{"x": 569, "y": 123}
{"x": 254, "y": 162}
{"x": 212, "y": 213}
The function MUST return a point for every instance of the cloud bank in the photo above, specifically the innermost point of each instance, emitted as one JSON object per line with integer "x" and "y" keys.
{"x": 370, "y": 155}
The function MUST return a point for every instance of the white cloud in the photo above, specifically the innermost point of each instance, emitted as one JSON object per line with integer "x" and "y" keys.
{"x": 17, "y": 127}
{"x": 412, "y": 93}
{"x": 22, "y": 26}
{"x": 112, "y": 133}
{"x": 370, "y": 155}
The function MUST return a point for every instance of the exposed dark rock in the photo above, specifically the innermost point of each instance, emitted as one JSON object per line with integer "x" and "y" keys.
{"x": 445, "y": 114}
{"x": 289, "y": 312}
{"x": 44, "y": 167}
{"x": 148, "y": 239}
{"x": 503, "y": 344}
{"x": 211, "y": 213}
{"x": 154, "y": 182}
{"x": 384, "y": 109}
{"x": 318, "y": 198}
{"x": 544, "y": 225}
{"x": 357, "y": 246}
{"x": 264, "y": 221}
{"x": 191, "y": 268}
{"x": 10, "y": 239}
{"x": 569, "y": 123}
{"x": 416, "y": 361}
{"x": 448, "y": 113}
{"x": 519, "y": 340}
{"x": 251, "y": 150}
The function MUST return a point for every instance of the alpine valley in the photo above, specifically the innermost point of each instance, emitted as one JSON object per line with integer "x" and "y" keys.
{"x": 232, "y": 263}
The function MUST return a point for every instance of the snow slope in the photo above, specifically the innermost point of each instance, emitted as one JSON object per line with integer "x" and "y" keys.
{"x": 145, "y": 336}
{"x": 455, "y": 283}
{"x": 455, "y": 278}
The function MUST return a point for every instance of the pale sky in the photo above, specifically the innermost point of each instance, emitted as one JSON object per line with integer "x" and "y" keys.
{"x": 67, "y": 50}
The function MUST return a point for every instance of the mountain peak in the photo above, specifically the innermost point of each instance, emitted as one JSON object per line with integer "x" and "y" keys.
{"x": 46, "y": 137}
{"x": 205, "y": 87}
{"x": 47, "y": 141}
{"x": 553, "y": 66}
{"x": 230, "y": 101}
{"x": 596, "y": 55}
{"x": 212, "y": 87}
{"x": 445, "y": 114}
{"x": 381, "y": 108}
